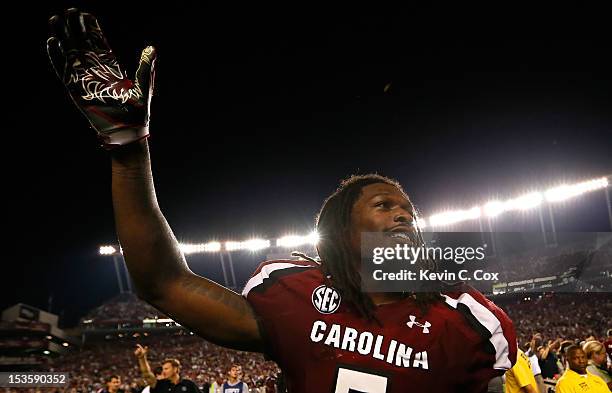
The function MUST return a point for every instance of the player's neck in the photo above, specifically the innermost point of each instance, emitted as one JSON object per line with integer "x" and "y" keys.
{"x": 175, "y": 379}
{"x": 380, "y": 298}
{"x": 232, "y": 381}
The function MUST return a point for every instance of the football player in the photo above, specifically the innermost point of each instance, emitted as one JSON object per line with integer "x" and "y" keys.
{"x": 308, "y": 315}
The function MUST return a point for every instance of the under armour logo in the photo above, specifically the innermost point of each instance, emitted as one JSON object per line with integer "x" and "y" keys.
{"x": 413, "y": 322}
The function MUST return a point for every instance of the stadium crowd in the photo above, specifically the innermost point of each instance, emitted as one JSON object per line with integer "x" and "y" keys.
{"x": 565, "y": 316}
{"x": 559, "y": 319}
{"x": 202, "y": 362}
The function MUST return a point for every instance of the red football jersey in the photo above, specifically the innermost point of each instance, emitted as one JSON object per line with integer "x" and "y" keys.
{"x": 323, "y": 345}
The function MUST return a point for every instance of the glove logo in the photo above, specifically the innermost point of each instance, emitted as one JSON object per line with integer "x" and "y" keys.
{"x": 413, "y": 322}
{"x": 117, "y": 107}
{"x": 104, "y": 81}
{"x": 325, "y": 299}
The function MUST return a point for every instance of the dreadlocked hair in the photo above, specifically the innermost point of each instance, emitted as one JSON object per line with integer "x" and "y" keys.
{"x": 333, "y": 225}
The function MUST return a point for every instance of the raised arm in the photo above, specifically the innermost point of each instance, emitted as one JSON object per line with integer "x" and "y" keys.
{"x": 118, "y": 109}
{"x": 158, "y": 267}
{"x": 143, "y": 365}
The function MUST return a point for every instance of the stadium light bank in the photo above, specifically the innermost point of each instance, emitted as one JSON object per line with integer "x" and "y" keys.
{"x": 490, "y": 209}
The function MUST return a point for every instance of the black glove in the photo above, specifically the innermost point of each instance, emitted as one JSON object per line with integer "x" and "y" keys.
{"x": 116, "y": 107}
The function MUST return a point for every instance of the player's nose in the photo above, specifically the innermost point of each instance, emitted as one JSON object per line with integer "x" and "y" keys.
{"x": 403, "y": 217}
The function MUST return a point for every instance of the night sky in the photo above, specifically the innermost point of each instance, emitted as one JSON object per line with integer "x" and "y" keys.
{"x": 260, "y": 111}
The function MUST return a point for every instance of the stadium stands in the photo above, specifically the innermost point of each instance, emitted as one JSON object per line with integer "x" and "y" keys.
{"x": 567, "y": 316}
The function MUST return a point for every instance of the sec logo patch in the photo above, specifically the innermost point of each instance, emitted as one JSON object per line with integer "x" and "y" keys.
{"x": 325, "y": 299}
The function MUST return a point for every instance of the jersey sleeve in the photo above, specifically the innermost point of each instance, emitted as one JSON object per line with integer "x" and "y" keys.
{"x": 274, "y": 300}
{"x": 496, "y": 350}
{"x": 490, "y": 321}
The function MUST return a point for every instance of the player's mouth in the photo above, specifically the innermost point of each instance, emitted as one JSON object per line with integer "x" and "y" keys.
{"x": 405, "y": 228}
{"x": 403, "y": 233}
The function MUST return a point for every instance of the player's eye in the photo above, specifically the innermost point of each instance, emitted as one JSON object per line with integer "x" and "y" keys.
{"x": 384, "y": 204}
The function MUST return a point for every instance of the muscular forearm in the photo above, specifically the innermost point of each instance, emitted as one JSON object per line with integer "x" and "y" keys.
{"x": 157, "y": 266}
{"x": 151, "y": 251}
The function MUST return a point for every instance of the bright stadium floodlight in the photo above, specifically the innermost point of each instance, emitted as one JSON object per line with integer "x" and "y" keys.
{"x": 200, "y": 247}
{"x": 296, "y": 240}
{"x": 212, "y": 247}
{"x": 233, "y": 246}
{"x": 473, "y": 213}
{"x": 256, "y": 244}
{"x": 490, "y": 209}
{"x": 563, "y": 192}
{"x": 494, "y": 208}
{"x": 313, "y": 238}
{"x": 251, "y": 245}
{"x": 438, "y": 219}
{"x": 107, "y": 250}
{"x": 290, "y": 241}
{"x": 452, "y": 217}
{"x": 525, "y": 202}
{"x": 188, "y": 248}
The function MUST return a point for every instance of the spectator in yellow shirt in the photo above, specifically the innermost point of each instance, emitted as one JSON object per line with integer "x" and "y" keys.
{"x": 520, "y": 379}
{"x": 577, "y": 379}
{"x": 596, "y": 355}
